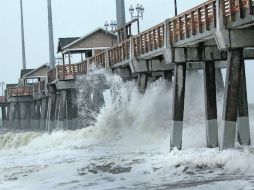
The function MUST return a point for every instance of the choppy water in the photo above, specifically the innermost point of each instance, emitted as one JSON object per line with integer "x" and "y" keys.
{"x": 127, "y": 148}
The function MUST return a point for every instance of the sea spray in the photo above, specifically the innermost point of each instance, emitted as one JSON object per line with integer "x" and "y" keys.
{"x": 142, "y": 118}
{"x": 127, "y": 147}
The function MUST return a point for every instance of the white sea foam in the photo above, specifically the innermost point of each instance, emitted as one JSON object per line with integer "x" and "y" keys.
{"x": 132, "y": 131}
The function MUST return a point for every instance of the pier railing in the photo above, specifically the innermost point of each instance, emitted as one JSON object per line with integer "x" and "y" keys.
{"x": 233, "y": 7}
{"x": 193, "y": 22}
{"x": 119, "y": 53}
{"x": 198, "y": 22}
{"x": 149, "y": 40}
{"x": 67, "y": 72}
{"x": 98, "y": 60}
{"x": 52, "y": 75}
{"x": 82, "y": 67}
{"x": 39, "y": 87}
{"x": 20, "y": 91}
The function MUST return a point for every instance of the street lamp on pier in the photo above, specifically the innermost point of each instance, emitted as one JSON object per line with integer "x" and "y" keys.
{"x": 175, "y": 7}
{"x": 140, "y": 13}
{"x": 113, "y": 26}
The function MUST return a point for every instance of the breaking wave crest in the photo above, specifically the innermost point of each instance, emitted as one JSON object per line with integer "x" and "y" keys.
{"x": 131, "y": 122}
{"x": 144, "y": 119}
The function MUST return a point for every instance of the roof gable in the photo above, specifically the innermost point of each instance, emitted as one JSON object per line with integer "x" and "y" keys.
{"x": 24, "y": 72}
{"x": 62, "y": 42}
{"x": 105, "y": 40}
{"x": 38, "y": 72}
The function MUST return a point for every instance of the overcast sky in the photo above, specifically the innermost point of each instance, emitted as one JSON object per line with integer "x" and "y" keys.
{"x": 70, "y": 18}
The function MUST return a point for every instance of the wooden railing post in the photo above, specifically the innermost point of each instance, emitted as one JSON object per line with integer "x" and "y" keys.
{"x": 240, "y": 7}
{"x": 132, "y": 49}
{"x": 251, "y": 6}
{"x": 193, "y": 31}
{"x": 207, "y": 23}
{"x": 200, "y": 30}
{"x": 214, "y": 14}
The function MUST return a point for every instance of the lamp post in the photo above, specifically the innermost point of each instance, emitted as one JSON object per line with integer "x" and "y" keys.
{"x": 22, "y": 36}
{"x": 51, "y": 38}
{"x": 175, "y": 7}
{"x": 113, "y": 26}
{"x": 140, "y": 12}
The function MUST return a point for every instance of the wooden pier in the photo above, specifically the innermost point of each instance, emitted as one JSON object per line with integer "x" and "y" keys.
{"x": 216, "y": 34}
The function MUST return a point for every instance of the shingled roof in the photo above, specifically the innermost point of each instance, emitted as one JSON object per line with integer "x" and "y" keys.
{"x": 62, "y": 42}
{"x": 25, "y": 71}
{"x": 90, "y": 34}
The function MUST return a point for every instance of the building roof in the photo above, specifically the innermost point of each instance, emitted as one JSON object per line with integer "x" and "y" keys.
{"x": 34, "y": 70}
{"x": 68, "y": 45}
{"x": 11, "y": 85}
{"x": 62, "y": 42}
{"x": 25, "y": 71}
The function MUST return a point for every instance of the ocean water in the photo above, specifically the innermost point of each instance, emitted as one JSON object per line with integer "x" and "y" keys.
{"x": 127, "y": 147}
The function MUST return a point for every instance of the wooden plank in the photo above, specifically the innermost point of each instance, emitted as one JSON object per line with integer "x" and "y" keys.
{"x": 250, "y": 4}
{"x": 214, "y": 14}
{"x": 240, "y": 7}
{"x": 158, "y": 37}
{"x": 186, "y": 26}
{"x": 199, "y": 21}
{"x": 231, "y": 11}
{"x": 193, "y": 33}
{"x": 154, "y": 40}
{"x": 207, "y": 23}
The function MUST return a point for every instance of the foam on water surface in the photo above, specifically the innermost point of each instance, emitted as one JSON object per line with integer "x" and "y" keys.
{"x": 127, "y": 147}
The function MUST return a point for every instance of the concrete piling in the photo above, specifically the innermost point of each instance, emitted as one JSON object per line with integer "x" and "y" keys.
{"x": 38, "y": 114}
{"x": 57, "y": 107}
{"x": 32, "y": 114}
{"x": 219, "y": 80}
{"x": 8, "y": 116}
{"x": 168, "y": 75}
{"x": 72, "y": 110}
{"x": 17, "y": 116}
{"x": 243, "y": 124}
{"x": 235, "y": 57}
{"x": 51, "y": 112}
{"x": 178, "y": 105}
{"x": 142, "y": 82}
{"x": 25, "y": 113}
{"x": 61, "y": 118}
{"x": 4, "y": 116}
{"x": 210, "y": 105}
{"x": 44, "y": 110}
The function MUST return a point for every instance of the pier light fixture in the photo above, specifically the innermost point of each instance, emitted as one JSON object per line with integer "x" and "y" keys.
{"x": 106, "y": 25}
{"x": 131, "y": 10}
{"x": 112, "y": 25}
{"x": 139, "y": 9}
